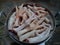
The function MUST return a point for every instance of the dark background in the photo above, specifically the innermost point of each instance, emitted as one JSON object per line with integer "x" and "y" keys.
{"x": 7, "y": 6}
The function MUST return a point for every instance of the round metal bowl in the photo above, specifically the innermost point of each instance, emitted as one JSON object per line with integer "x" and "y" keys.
{"x": 16, "y": 39}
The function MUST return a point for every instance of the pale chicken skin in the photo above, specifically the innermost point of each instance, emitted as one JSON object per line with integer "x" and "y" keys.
{"x": 28, "y": 25}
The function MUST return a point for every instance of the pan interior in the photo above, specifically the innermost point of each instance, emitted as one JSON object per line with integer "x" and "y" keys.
{"x": 16, "y": 37}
